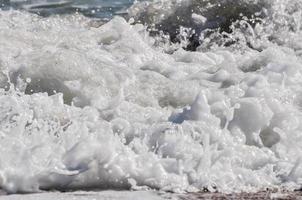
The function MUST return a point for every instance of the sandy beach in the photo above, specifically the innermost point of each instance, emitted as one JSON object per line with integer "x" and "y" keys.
{"x": 251, "y": 196}
{"x": 154, "y": 195}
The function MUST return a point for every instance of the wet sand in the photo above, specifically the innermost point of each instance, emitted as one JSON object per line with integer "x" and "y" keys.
{"x": 285, "y": 195}
{"x": 153, "y": 195}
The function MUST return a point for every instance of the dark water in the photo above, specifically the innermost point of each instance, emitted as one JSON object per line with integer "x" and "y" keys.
{"x": 220, "y": 15}
{"x": 92, "y": 8}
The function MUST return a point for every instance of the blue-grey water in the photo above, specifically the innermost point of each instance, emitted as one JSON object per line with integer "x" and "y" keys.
{"x": 104, "y": 9}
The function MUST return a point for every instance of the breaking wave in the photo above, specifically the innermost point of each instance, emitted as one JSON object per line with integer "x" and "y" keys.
{"x": 85, "y": 105}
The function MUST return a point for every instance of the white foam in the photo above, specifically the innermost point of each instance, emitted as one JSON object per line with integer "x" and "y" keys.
{"x": 121, "y": 113}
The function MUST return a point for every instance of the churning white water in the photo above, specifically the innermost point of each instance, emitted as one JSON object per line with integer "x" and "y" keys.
{"x": 85, "y": 106}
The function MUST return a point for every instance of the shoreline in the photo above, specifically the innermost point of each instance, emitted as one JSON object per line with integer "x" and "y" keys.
{"x": 269, "y": 194}
{"x": 154, "y": 195}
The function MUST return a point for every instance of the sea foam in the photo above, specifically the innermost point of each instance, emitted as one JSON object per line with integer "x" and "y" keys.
{"x": 84, "y": 107}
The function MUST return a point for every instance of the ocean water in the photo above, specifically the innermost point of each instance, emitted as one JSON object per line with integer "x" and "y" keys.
{"x": 104, "y": 9}
{"x": 90, "y": 104}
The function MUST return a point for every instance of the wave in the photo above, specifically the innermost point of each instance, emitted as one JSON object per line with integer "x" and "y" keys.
{"x": 196, "y": 21}
{"x": 85, "y": 106}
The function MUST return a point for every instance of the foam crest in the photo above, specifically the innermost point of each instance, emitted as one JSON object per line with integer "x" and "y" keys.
{"x": 107, "y": 107}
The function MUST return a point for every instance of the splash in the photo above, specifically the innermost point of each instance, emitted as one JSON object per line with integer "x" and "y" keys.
{"x": 107, "y": 107}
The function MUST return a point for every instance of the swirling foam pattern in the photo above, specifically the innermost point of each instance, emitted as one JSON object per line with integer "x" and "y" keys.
{"x": 106, "y": 107}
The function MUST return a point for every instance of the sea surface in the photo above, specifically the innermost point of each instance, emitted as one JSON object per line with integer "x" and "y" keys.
{"x": 104, "y": 9}
{"x": 166, "y": 95}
